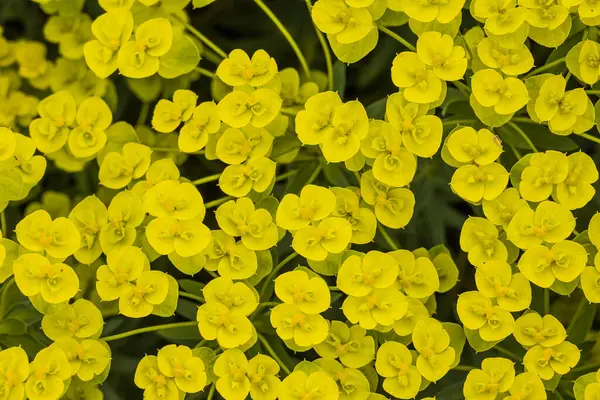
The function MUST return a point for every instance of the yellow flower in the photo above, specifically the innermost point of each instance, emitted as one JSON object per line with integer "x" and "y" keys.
{"x": 178, "y": 362}
{"x": 438, "y": 52}
{"x": 546, "y": 361}
{"x": 151, "y": 289}
{"x": 381, "y": 307}
{"x": 494, "y": 279}
{"x": 467, "y": 145}
{"x": 505, "y": 95}
{"x": 479, "y": 238}
{"x": 168, "y": 115}
{"x": 238, "y": 69}
{"x": 49, "y": 371}
{"x": 331, "y": 235}
{"x": 394, "y": 363}
{"x": 511, "y": 61}
{"x": 318, "y": 385}
{"x": 496, "y": 375}
{"x": 562, "y": 110}
{"x": 431, "y": 10}
{"x": 240, "y": 108}
{"x": 81, "y": 320}
{"x": 347, "y": 24}
{"x": 421, "y": 85}
{"x": 532, "y": 329}
{"x": 316, "y": 120}
{"x": 544, "y": 171}
{"x": 417, "y": 277}
{"x": 296, "y": 212}
{"x": 306, "y": 330}
{"x": 124, "y": 267}
{"x": 501, "y": 210}
{"x": 262, "y": 372}
{"x": 59, "y": 238}
{"x": 14, "y": 368}
{"x": 576, "y": 190}
{"x": 564, "y": 261}
{"x": 237, "y": 297}
{"x": 310, "y": 294}
{"x": 550, "y": 222}
{"x": 351, "y": 345}
{"x": 359, "y": 275}
{"x": 156, "y": 385}
{"x": 477, "y": 312}
{"x": 216, "y": 322}
{"x": 35, "y": 274}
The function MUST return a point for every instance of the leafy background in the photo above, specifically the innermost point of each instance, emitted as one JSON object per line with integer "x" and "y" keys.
{"x": 438, "y": 217}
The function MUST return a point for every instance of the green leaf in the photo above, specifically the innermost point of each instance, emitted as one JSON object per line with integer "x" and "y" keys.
{"x": 371, "y": 375}
{"x": 457, "y": 340}
{"x": 11, "y": 296}
{"x": 11, "y": 184}
{"x": 308, "y": 367}
{"x": 270, "y": 204}
{"x": 182, "y": 57}
{"x": 552, "y": 384}
{"x": 517, "y": 170}
{"x": 265, "y": 266}
{"x": 476, "y": 342}
{"x": 191, "y": 286}
{"x": 188, "y": 265}
{"x": 300, "y": 179}
{"x": 201, "y": 3}
{"x": 551, "y": 38}
{"x": 487, "y": 115}
{"x": 146, "y": 89}
{"x": 208, "y": 356}
{"x": 564, "y": 288}
{"x": 353, "y": 52}
{"x": 187, "y": 309}
{"x": 582, "y": 321}
{"x": 167, "y": 308}
{"x": 451, "y": 392}
{"x": 393, "y": 18}
{"x": 25, "y": 313}
{"x": 377, "y": 109}
{"x": 328, "y": 267}
{"x": 12, "y": 327}
{"x": 581, "y": 383}
{"x": 339, "y": 78}
{"x": 334, "y": 173}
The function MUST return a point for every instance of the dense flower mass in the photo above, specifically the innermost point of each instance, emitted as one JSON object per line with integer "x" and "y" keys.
{"x": 410, "y": 213}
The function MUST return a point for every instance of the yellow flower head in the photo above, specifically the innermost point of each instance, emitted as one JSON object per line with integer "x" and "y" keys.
{"x": 237, "y": 297}
{"x": 292, "y": 324}
{"x": 346, "y": 23}
{"x": 179, "y": 363}
{"x": 81, "y": 320}
{"x": 310, "y": 294}
{"x": 381, "y": 307}
{"x": 124, "y": 267}
{"x": 59, "y": 238}
{"x": 238, "y": 69}
{"x": 35, "y": 274}
{"x": 550, "y": 222}
{"x": 496, "y": 375}
{"x": 351, "y": 345}
{"x": 532, "y": 329}
{"x": 466, "y": 145}
{"x": 359, "y": 275}
{"x": 478, "y": 313}
{"x": 216, "y": 322}
{"x": 318, "y": 385}
{"x": 505, "y": 95}
{"x": 394, "y": 363}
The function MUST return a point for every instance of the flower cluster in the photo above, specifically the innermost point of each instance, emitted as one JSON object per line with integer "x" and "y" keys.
{"x": 279, "y": 233}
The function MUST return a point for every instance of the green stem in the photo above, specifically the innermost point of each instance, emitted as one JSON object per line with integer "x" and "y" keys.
{"x": 326, "y": 51}
{"x": 314, "y": 175}
{"x": 206, "y": 179}
{"x": 273, "y": 273}
{"x": 585, "y": 369}
{"x": 205, "y": 72}
{"x": 286, "y": 175}
{"x": 465, "y": 368}
{"x": 143, "y": 114}
{"x": 546, "y": 67}
{"x": 398, "y": 38}
{"x": 274, "y": 355}
{"x": 210, "y": 56}
{"x": 546, "y": 301}
{"x": 265, "y": 305}
{"x": 217, "y": 202}
{"x": 517, "y": 152}
{"x": 149, "y": 329}
{"x": 594, "y": 92}
{"x": 199, "y": 299}
{"x": 213, "y": 274}
{"x": 206, "y": 40}
{"x": 357, "y": 177}
{"x": 464, "y": 89}
{"x": 588, "y": 137}
{"x": 285, "y": 34}
{"x": 387, "y": 237}
{"x": 523, "y": 135}
{"x": 507, "y": 353}
{"x": 273, "y": 156}
{"x": 459, "y": 121}
{"x": 4, "y": 224}
{"x": 288, "y": 112}
{"x": 334, "y": 289}
{"x": 211, "y": 392}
